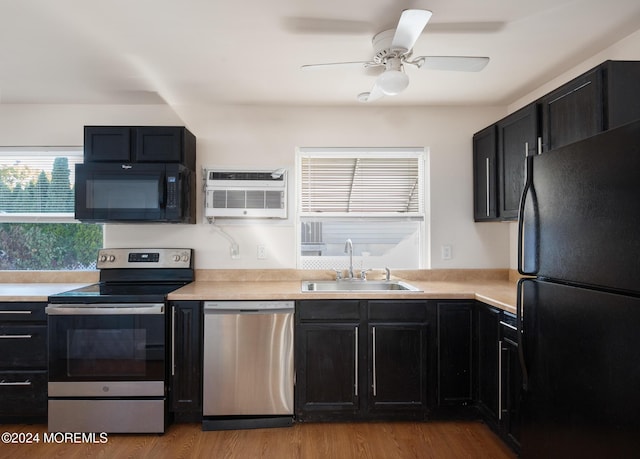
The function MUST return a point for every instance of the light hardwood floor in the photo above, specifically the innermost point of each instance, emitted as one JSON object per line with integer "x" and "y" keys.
{"x": 437, "y": 440}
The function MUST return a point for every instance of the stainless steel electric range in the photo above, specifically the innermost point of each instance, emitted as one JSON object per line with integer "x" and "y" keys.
{"x": 108, "y": 344}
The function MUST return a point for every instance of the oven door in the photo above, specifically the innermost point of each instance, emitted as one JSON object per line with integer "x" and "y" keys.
{"x": 106, "y": 350}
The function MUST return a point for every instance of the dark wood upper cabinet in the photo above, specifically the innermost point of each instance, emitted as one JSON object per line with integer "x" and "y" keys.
{"x": 573, "y": 112}
{"x": 107, "y": 143}
{"x": 602, "y": 98}
{"x": 159, "y": 144}
{"x": 141, "y": 144}
{"x": 605, "y": 97}
{"x": 485, "y": 195}
{"x": 517, "y": 139}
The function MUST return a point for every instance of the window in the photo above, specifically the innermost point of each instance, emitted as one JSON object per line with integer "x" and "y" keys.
{"x": 375, "y": 197}
{"x": 37, "y": 226}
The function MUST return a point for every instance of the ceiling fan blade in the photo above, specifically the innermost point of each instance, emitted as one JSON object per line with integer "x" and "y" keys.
{"x": 363, "y": 64}
{"x": 455, "y": 63}
{"x": 410, "y": 26}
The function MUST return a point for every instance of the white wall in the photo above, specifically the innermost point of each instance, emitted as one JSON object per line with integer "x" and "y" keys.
{"x": 268, "y": 137}
{"x": 264, "y": 136}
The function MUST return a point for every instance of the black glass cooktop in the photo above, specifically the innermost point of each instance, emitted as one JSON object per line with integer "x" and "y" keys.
{"x": 117, "y": 293}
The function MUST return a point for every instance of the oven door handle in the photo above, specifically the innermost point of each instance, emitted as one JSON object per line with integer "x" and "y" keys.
{"x": 104, "y": 309}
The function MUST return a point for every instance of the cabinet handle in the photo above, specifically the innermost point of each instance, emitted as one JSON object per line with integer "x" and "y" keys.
{"x": 173, "y": 340}
{"x": 539, "y": 145}
{"x": 487, "y": 174}
{"x": 16, "y": 336}
{"x": 526, "y": 149}
{"x": 509, "y": 326}
{"x": 500, "y": 380}
{"x": 356, "y": 363}
{"x": 16, "y": 383}
{"x": 375, "y": 386}
{"x": 15, "y": 312}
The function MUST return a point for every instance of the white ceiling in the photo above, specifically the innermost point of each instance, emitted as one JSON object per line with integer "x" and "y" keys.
{"x": 250, "y": 51}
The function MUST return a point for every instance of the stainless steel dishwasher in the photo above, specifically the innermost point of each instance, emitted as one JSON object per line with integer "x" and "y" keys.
{"x": 248, "y": 364}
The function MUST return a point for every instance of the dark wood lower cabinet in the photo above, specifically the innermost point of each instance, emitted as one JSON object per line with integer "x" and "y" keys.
{"x": 398, "y": 347}
{"x": 361, "y": 360}
{"x": 487, "y": 348}
{"x": 23, "y": 362}
{"x": 455, "y": 353}
{"x": 510, "y": 382}
{"x": 327, "y": 368}
{"x": 185, "y": 360}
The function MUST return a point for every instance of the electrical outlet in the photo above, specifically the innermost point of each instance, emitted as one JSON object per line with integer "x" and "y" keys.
{"x": 446, "y": 252}
{"x": 262, "y": 252}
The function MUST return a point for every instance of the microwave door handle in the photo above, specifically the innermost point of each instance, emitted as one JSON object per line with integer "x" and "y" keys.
{"x": 162, "y": 191}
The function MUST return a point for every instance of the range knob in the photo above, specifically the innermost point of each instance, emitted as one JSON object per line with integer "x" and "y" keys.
{"x": 185, "y": 257}
{"x": 103, "y": 258}
{"x": 176, "y": 258}
{"x": 112, "y": 258}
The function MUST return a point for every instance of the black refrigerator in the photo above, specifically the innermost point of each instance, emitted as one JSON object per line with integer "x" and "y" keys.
{"x": 579, "y": 313}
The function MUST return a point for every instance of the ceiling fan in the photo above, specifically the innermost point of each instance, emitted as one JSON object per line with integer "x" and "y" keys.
{"x": 393, "y": 50}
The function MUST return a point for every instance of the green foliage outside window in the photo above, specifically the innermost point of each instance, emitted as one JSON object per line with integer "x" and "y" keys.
{"x": 27, "y": 191}
{"x": 49, "y": 246}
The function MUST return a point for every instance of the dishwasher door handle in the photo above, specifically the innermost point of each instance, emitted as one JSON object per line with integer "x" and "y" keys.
{"x": 247, "y": 311}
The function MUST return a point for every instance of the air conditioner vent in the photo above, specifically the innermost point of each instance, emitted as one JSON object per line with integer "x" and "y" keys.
{"x": 246, "y": 194}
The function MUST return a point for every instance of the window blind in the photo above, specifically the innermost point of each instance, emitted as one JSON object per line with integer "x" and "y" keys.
{"x": 38, "y": 181}
{"x": 360, "y": 185}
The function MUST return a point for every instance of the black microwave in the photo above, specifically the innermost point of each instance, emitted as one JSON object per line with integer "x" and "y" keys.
{"x": 135, "y": 192}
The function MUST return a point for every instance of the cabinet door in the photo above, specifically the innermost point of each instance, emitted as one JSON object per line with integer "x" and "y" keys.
{"x": 488, "y": 337}
{"x": 510, "y": 382}
{"x": 574, "y": 111}
{"x": 455, "y": 353}
{"x": 159, "y": 144}
{"x": 186, "y": 356}
{"x": 107, "y": 143}
{"x": 622, "y": 92}
{"x": 484, "y": 175}
{"x": 327, "y": 365}
{"x": 517, "y": 139}
{"x": 398, "y": 366}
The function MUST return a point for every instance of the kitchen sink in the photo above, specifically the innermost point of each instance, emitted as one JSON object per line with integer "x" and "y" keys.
{"x": 357, "y": 285}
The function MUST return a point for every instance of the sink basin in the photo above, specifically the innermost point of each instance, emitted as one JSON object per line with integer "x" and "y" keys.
{"x": 357, "y": 285}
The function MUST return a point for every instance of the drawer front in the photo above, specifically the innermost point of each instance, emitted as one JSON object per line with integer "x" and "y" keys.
{"x": 508, "y": 327}
{"x": 22, "y": 312}
{"x": 23, "y": 346}
{"x": 411, "y": 311}
{"x": 23, "y": 393}
{"x": 328, "y": 310}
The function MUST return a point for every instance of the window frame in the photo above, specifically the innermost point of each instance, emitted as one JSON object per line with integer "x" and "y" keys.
{"x": 421, "y": 153}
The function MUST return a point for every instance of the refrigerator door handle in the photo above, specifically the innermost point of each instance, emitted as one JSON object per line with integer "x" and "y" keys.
{"x": 531, "y": 260}
{"x": 523, "y": 363}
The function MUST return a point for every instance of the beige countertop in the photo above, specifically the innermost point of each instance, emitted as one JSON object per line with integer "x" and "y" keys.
{"x": 496, "y": 292}
{"x": 32, "y": 291}
{"x": 494, "y": 287}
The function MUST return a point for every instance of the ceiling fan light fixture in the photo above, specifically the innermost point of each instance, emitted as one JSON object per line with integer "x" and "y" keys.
{"x": 393, "y": 82}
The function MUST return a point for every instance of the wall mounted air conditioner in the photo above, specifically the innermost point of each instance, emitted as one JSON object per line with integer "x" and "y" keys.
{"x": 246, "y": 193}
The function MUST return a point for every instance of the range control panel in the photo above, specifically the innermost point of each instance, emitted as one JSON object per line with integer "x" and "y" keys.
{"x": 144, "y": 258}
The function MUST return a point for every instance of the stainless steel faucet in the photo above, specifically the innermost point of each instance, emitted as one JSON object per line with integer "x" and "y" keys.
{"x": 348, "y": 248}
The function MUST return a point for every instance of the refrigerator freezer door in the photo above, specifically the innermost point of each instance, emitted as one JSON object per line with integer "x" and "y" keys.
{"x": 582, "y": 360}
{"x": 581, "y": 213}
